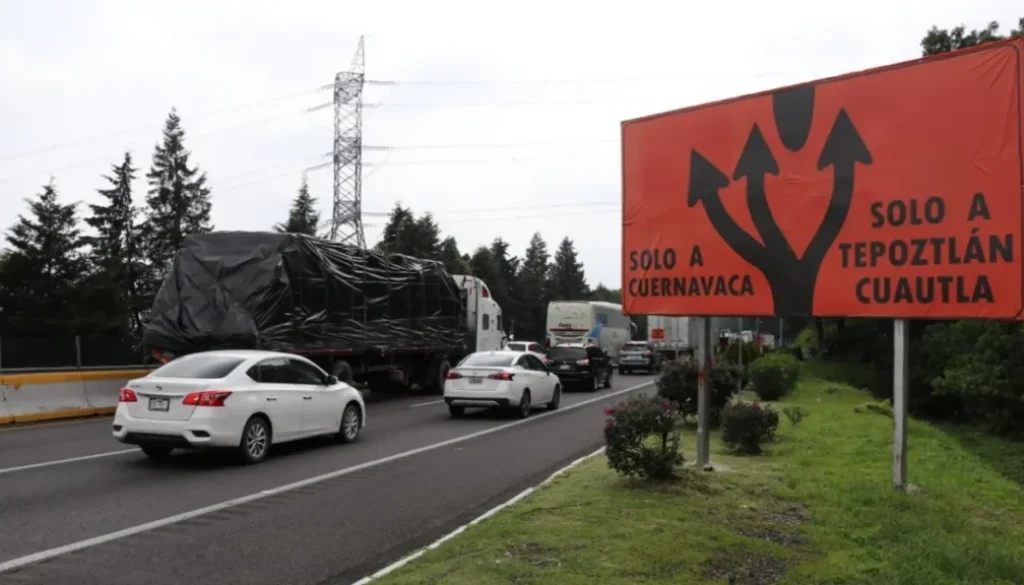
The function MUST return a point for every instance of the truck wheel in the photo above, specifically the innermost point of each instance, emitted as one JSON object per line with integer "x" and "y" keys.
{"x": 436, "y": 375}
{"x": 342, "y": 371}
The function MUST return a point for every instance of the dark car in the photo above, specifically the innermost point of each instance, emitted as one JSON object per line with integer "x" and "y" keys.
{"x": 583, "y": 366}
{"x": 638, "y": 355}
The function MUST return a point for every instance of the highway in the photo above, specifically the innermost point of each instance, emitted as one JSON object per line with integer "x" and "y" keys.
{"x": 78, "y": 508}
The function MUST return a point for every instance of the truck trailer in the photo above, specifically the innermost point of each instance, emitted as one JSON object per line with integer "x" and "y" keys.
{"x": 589, "y": 323}
{"x": 675, "y": 336}
{"x": 387, "y": 321}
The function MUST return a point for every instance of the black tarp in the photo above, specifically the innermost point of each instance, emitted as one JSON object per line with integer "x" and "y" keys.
{"x": 289, "y": 292}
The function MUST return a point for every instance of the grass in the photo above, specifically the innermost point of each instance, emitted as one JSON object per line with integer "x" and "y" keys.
{"x": 817, "y": 508}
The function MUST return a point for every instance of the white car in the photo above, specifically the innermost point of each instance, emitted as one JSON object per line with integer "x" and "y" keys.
{"x": 529, "y": 346}
{"x": 502, "y": 379}
{"x": 243, "y": 400}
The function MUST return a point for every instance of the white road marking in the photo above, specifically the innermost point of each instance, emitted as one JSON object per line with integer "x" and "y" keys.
{"x": 507, "y": 503}
{"x": 427, "y": 403}
{"x": 140, "y": 528}
{"x": 63, "y": 461}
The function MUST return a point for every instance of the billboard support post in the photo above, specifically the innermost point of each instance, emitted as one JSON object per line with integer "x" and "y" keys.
{"x": 704, "y": 395}
{"x": 900, "y": 393}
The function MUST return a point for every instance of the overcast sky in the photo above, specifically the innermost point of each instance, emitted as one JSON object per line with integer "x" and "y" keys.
{"x": 81, "y": 81}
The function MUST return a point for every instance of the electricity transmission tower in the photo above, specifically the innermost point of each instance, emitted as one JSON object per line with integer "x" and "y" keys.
{"x": 347, "y": 213}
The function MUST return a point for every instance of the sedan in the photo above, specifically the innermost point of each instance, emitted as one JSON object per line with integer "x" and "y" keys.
{"x": 245, "y": 401}
{"x": 502, "y": 379}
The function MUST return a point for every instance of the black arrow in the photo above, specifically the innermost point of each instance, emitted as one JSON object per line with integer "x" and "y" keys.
{"x": 793, "y": 109}
{"x": 843, "y": 148}
{"x": 705, "y": 182}
{"x": 755, "y": 162}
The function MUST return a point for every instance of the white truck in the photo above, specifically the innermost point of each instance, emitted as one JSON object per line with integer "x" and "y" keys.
{"x": 589, "y": 323}
{"x": 675, "y": 336}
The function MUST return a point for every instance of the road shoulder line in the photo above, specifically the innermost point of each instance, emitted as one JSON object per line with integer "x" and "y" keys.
{"x": 502, "y": 506}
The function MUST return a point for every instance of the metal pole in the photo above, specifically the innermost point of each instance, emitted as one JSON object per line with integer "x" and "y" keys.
{"x": 739, "y": 383}
{"x": 704, "y": 395}
{"x": 900, "y": 371}
{"x": 778, "y": 344}
{"x": 78, "y": 352}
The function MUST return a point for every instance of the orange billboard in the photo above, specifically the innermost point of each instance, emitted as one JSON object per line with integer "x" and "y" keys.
{"x": 894, "y": 192}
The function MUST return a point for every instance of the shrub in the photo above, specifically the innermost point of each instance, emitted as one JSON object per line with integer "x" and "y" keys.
{"x": 774, "y": 375}
{"x": 678, "y": 384}
{"x": 732, "y": 352}
{"x": 746, "y": 425}
{"x": 642, "y": 438}
{"x": 795, "y": 414}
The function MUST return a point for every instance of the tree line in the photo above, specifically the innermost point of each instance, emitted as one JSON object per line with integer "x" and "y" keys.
{"x": 522, "y": 285}
{"x": 95, "y": 274}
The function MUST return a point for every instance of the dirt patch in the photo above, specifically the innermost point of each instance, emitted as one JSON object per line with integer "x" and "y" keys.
{"x": 534, "y": 553}
{"x": 776, "y": 523}
{"x": 738, "y": 567}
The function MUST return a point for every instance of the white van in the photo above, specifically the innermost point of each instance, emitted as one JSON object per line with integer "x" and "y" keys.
{"x": 590, "y": 323}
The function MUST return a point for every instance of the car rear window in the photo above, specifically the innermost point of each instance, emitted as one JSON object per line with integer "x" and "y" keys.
{"x": 635, "y": 346}
{"x": 483, "y": 360}
{"x": 517, "y": 346}
{"x": 567, "y": 352}
{"x": 202, "y": 367}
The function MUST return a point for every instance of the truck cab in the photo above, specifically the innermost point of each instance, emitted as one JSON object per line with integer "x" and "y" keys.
{"x": 483, "y": 315}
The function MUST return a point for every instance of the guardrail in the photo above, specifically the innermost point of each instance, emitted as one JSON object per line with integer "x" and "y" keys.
{"x": 71, "y": 353}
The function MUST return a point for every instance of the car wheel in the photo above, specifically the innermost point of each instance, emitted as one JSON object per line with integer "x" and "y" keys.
{"x": 525, "y": 406}
{"x": 351, "y": 423}
{"x": 556, "y": 399}
{"x": 608, "y": 379}
{"x": 255, "y": 440}
{"x": 456, "y": 411}
{"x": 156, "y": 451}
{"x": 622, "y": 371}
{"x": 595, "y": 383}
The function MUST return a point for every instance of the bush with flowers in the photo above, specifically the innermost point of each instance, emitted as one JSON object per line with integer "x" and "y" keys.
{"x": 642, "y": 438}
{"x": 678, "y": 384}
{"x": 746, "y": 425}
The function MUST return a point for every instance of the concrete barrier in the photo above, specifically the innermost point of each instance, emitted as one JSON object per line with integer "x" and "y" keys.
{"x": 46, "y": 396}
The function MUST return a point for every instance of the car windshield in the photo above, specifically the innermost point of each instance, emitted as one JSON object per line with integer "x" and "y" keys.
{"x": 488, "y": 360}
{"x": 517, "y": 346}
{"x": 199, "y": 366}
{"x": 567, "y": 352}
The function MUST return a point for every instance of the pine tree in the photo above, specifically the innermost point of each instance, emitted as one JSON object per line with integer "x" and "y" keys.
{"x": 506, "y": 286}
{"x": 481, "y": 265}
{"x": 566, "y": 279}
{"x": 400, "y": 222}
{"x": 533, "y": 289}
{"x": 179, "y": 200}
{"x": 303, "y": 218}
{"x": 44, "y": 268}
{"x": 453, "y": 260}
{"x": 424, "y": 240}
{"x": 117, "y": 249}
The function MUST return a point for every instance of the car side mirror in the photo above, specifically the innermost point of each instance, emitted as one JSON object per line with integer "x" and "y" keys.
{"x": 332, "y": 380}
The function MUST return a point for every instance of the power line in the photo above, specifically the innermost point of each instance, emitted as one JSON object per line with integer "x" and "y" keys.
{"x": 443, "y": 222}
{"x": 201, "y": 116}
{"x": 377, "y": 165}
{"x": 532, "y": 206}
{"x": 492, "y": 145}
{"x": 689, "y": 77}
{"x": 198, "y": 136}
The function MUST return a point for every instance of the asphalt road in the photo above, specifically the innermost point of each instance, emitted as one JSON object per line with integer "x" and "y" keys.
{"x": 70, "y": 488}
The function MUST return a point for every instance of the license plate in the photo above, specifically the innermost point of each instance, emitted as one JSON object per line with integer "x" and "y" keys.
{"x": 476, "y": 380}
{"x": 563, "y": 367}
{"x": 160, "y": 404}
